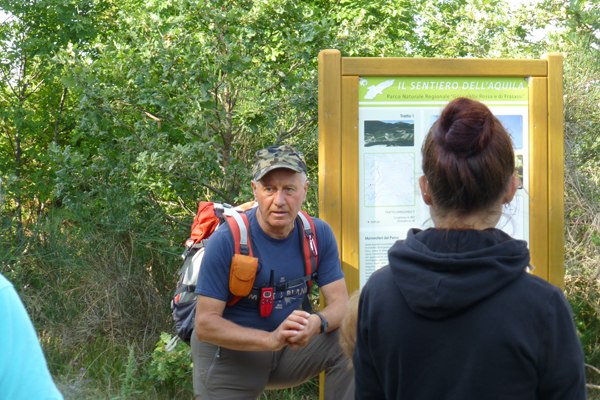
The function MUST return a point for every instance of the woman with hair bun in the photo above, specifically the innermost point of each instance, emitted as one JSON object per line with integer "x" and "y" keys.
{"x": 455, "y": 315}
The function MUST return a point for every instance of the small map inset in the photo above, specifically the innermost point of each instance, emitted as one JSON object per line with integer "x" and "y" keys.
{"x": 389, "y": 179}
{"x": 390, "y": 133}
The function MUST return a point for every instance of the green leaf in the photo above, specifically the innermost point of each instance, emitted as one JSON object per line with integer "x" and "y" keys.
{"x": 68, "y": 81}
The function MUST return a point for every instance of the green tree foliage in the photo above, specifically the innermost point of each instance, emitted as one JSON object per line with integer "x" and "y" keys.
{"x": 187, "y": 91}
{"x": 192, "y": 89}
{"x": 387, "y": 28}
{"x": 33, "y": 101}
{"x": 479, "y": 28}
{"x": 176, "y": 104}
{"x": 577, "y": 21}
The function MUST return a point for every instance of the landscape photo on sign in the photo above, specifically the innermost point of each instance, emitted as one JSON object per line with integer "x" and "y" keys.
{"x": 389, "y": 133}
{"x": 513, "y": 124}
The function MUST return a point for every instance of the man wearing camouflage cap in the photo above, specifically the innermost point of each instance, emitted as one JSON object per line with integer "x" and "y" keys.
{"x": 238, "y": 352}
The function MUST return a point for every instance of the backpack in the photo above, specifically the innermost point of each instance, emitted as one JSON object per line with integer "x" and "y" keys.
{"x": 243, "y": 267}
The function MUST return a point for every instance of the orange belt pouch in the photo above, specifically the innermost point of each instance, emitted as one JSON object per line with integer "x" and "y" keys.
{"x": 242, "y": 274}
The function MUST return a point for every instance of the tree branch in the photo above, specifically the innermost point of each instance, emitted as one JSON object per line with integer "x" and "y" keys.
{"x": 297, "y": 127}
{"x": 22, "y": 82}
{"x": 167, "y": 216}
{"x": 7, "y": 80}
{"x": 596, "y": 370}
{"x": 581, "y": 223}
{"x": 6, "y": 100}
{"x": 125, "y": 125}
{"x": 217, "y": 191}
{"x": 592, "y": 386}
{"x": 12, "y": 146}
{"x": 218, "y": 116}
{"x": 34, "y": 89}
{"x": 205, "y": 185}
{"x": 159, "y": 118}
{"x": 226, "y": 102}
{"x": 294, "y": 65}
{"x": 214, "y": 127}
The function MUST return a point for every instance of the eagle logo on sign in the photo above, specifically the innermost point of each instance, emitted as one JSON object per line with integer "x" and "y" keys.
{"x": 378, "y": 89}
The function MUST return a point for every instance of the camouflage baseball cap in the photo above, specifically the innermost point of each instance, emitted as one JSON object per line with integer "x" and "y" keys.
{"x": 274, "y": 157}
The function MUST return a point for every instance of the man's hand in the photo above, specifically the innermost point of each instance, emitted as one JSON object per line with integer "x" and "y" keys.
{"x": 336, "y": 298}
{"x": 292, "y": 331}
{"x": 311, "y": 326}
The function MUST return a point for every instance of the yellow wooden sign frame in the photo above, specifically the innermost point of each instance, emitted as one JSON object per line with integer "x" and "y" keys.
{"x": 338, "y": 146}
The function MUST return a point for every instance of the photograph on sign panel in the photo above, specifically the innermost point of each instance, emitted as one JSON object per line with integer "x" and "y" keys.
{"x": 399, "y": 133}
{"x": 519, "y": 168}
{"x": 512, "y": 123}
{"x": 514, "y": 126}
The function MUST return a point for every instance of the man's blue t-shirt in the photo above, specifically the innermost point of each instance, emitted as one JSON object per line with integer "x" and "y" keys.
{"x": 284, "y": 256}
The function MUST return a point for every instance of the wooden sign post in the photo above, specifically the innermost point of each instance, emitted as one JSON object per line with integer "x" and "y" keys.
{"x": 373, "y": 116}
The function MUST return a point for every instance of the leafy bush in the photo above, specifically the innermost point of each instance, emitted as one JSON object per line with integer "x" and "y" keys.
{"x": 171, "y": 368}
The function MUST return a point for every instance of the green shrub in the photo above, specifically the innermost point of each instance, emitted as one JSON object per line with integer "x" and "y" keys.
{"x": 171, "y": 368}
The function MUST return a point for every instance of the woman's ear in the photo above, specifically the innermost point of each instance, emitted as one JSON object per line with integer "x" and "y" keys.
{"x": 425, "y": 192}
{"x": 513, "y": 185}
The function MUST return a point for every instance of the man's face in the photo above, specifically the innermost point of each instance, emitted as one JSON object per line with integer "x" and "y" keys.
{"x": 279, "y": 194}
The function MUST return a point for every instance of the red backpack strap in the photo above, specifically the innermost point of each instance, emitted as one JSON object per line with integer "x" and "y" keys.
{"x": 311, "y": 253}
{"x": 240, "y": 230}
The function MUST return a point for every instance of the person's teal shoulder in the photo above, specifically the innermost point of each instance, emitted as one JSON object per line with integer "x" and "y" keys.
{"x": 4, "y": 282}
{"x": 24, "y": 372}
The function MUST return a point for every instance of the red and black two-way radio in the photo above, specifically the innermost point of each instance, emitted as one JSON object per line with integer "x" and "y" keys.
{"x": 266, "y": 297}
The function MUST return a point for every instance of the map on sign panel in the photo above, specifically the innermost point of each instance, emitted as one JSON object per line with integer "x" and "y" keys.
{"x": 389, "y": 179}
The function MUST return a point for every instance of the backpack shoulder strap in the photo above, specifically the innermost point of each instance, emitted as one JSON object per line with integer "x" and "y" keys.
{"x": 240, "y": 230}
{"x": 309, "y": 246}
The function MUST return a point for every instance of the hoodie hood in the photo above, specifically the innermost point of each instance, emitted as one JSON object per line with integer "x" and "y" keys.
{"x": 441, "y": 272}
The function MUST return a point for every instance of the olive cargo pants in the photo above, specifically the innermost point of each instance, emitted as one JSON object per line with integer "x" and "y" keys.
{"x": 224, "y": 374}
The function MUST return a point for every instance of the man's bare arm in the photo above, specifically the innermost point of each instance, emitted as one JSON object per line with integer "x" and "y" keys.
{"x": 211, "y": 327}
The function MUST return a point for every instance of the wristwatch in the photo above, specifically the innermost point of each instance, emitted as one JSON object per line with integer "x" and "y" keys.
{"x": 324, "y": 323}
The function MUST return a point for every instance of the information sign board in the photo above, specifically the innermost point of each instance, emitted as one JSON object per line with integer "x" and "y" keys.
{"x": 395, "y": 114}
{"x": 373, "y": 115}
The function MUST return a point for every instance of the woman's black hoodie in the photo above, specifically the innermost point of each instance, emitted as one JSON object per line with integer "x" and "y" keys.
{"x": 455, "y": 316}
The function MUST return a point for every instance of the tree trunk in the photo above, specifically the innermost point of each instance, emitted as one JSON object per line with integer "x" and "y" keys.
{"x": 19, "y": 214}
{"x": 60, "y": 110}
